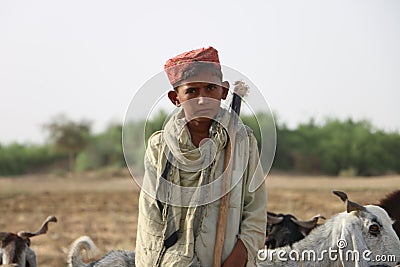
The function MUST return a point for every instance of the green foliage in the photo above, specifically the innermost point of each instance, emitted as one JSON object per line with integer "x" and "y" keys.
{"x": 17, "y": 159}
{"x": 334, "y": 147}
{"x": 134, "y": 146}
{"x": 338, "y": 147}
{"x": 104, "y": 149}
{"x": 68, "y": 136}
{"x": 155, "y": 124}
{"x": 263, "y": 127}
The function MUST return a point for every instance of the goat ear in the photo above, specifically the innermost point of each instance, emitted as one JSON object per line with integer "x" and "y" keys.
{"x": 273, "y": 218}
{"x": 43, "y": 229}
{"x": 308, "y": 224}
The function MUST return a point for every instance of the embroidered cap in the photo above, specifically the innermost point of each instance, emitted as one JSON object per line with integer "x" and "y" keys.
{"x": 176, "y": 66}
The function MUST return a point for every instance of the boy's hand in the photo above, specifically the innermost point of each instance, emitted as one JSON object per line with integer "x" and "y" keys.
{"x": 238, "y": 256}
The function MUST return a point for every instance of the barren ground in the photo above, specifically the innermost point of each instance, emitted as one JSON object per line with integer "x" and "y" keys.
{"x": 104, "y": 207}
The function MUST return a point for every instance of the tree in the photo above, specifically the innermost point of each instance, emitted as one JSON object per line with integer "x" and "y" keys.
{"x": 104, "y": 149}
{"x": 68, "y": 136}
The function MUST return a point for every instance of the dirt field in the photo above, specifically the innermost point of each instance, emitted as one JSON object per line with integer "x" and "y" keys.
{"x": 106, "y": 208}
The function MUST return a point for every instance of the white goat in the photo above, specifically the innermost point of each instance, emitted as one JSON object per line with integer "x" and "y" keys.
{"x": 361, "y": 236}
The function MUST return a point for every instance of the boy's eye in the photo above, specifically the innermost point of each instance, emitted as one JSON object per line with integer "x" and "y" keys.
{"x": 211, "y": 87}
{"x": 190, "y": 90}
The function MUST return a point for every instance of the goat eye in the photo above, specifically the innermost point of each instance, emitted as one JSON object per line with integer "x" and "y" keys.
{"x": 374, "y": 230}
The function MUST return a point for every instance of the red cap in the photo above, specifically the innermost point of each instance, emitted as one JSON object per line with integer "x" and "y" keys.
{"x": 175, "y": 66}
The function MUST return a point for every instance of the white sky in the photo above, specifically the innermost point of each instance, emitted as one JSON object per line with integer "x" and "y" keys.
{"x": 86, "y": 58}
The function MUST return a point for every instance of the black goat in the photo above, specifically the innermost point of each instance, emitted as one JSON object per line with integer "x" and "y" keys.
{"x": 391, "y": 203}
{"x": 285, "y": 229}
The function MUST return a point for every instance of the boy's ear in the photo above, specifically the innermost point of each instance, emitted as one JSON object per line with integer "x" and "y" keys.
{"x": 225, "y": 89}
{"x": 173, "y": 96}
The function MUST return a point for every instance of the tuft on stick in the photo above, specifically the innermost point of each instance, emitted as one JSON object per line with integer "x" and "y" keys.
{"x": 241, "y": 88}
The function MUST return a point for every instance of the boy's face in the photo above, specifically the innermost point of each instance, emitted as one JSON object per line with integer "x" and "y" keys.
{"x": 200, "y": 96}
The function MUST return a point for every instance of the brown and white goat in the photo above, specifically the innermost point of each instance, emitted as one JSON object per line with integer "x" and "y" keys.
{"x": 15, "y": 248}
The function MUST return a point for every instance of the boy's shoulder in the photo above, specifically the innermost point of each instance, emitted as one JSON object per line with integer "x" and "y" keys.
{"x": 156, "y": 139}
{"x": 249, "y": 131}
{"x": 245, "y": 132}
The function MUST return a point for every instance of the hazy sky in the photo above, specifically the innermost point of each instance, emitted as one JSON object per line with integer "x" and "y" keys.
{"x": 86, "y": 59}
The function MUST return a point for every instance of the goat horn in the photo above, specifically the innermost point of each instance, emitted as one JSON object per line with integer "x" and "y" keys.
{"x": 350, "y": 205}
{"x": 310, "y": 223}
{"x": 342, "y": 195}
{"x": 43, "y": 229}
{"x": 273, "y": 218}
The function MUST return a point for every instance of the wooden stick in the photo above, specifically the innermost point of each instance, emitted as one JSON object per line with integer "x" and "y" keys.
{"x": 240, "y": 88}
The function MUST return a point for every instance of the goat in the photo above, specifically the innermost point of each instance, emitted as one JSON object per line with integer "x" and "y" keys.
{"x": 114, "y": 258}
{"x": 356, "y": 237}
{"x": 391, "y": 204}
{"x": 285, "y": 229}
{"x": 15, "y": 248}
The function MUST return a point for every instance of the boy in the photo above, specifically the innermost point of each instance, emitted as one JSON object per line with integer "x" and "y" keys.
{"x": 179, "y": 201}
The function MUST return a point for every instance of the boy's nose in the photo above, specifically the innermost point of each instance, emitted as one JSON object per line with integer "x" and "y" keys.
{"x": 201, "y": 100}
{"x": 202, "y": 97}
